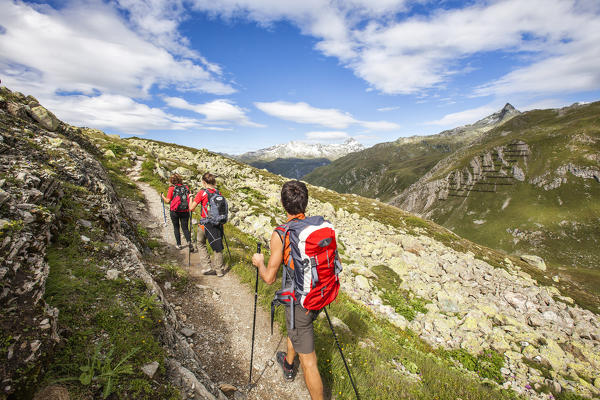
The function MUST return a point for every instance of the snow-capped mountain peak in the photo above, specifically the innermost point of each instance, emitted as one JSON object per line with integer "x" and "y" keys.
{"x": 299, "y": 149}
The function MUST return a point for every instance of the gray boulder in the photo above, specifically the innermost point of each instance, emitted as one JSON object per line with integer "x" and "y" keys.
{"x": 536, "y": 261}
{"x": 44, "y": 117}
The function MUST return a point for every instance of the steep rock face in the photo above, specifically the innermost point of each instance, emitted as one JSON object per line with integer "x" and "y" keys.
{"x": 484, "y": 173}
{"x": 41, "y": 159}
{"x": 27, "y": 195}
{"x": 471, "y": 304}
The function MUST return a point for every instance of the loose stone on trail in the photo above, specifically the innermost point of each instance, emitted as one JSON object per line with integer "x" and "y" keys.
{"x": 150, "y": 369}
{"x": 187, "y": 332}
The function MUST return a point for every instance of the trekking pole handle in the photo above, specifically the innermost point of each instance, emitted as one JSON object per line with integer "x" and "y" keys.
{"x": 258, "y": 245}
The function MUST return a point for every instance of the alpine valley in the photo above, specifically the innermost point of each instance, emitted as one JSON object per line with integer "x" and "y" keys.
{"x": 523, "y": 183}
{"x": 96, "y": 302}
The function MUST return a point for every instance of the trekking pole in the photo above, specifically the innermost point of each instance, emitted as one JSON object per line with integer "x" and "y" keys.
{"x": 190, "y": 243}
{"x": 164, "y": 214}
{"x": 254, "y": 320}
{"x": 226, "y": 244}
{"x": 342, "y": 354}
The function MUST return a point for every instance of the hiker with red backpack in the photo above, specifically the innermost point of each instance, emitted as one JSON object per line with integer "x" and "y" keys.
{"x": 178, "y": 199}
{"x": 307, "y": 248}
{"x": 213, "y": 215}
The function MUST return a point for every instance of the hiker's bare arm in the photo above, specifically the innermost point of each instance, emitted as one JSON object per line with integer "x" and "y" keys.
{"x": 193, "y": 206}
{"x": 165, "y": 199}
{"x": 269, "y": 273}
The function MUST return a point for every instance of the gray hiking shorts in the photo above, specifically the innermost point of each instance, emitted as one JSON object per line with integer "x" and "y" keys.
{"x": 302, "y": 336}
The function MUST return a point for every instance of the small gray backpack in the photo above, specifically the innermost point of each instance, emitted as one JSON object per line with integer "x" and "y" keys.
{"x": 218, "y": 209}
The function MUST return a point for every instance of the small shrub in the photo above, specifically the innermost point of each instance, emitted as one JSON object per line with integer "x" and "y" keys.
{"x": 142, "y": 232}
{"x": 487, "y": 365}
{"x": 117, "y": 149}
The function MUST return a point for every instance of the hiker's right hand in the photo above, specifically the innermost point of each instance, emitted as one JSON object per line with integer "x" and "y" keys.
{"x": 258, "y": 259}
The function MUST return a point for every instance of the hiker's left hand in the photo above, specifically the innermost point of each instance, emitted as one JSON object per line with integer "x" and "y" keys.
{"x": 258, "y": 259}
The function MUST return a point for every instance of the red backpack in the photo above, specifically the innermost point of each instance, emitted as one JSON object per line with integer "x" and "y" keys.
{"x": 310, "y": 277}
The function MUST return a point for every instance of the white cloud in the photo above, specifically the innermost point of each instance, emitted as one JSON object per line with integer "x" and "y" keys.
{"x": 397, "y": 54}
{"x": 88, "y": 48}
{"x": 465, "y": 117}
{"x": 326, "y": 135}
{"x": 379, "y": 125}
{"x": 366, "y": 137}
{"x": 120, "y": 113}
{"x": 384, "y": 109}
{"x": 215, "y": 111}
{"x": 573, "y": 71}
{"x": 418, "y": 53}
{"x": 543, "y": 104}
{"x": 304, "y": 113}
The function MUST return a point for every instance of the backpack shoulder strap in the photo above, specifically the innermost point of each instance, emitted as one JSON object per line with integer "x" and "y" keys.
{"x": 280, "y": 230}
{"x": 210, "y": 194}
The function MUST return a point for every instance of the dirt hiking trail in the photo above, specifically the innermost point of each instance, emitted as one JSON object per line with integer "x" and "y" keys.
{"x": 219, "y": 311}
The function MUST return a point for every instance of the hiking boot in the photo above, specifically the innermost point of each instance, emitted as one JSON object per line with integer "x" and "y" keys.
{"x": 208, "y": 271}
{"x": 192, "y": 249}
{"x": 220, "y": 273}
{"x": 288, "y": 373}
{"x": 180, "y": 247}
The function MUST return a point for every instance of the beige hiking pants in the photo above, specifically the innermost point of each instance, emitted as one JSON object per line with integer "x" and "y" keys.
{"x": 205, "y": 262}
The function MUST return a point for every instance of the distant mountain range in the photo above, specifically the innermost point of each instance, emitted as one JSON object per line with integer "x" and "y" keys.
{"x": 303, "y": 150}
{"x": 296, "y": 159}
{"x": 386, "y": 169}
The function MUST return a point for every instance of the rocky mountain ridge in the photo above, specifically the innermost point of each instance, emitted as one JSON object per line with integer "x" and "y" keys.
{"x": 491, "y": 121}
{"x": 294, "y": 168}
{"x": 386, "y": 169}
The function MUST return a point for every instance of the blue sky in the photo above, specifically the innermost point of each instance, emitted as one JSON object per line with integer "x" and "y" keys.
{"x": 239, "y": 75}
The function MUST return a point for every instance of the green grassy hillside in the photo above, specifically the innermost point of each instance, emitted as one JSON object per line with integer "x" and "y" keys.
{"x": 294, "y": 168}
{"x": 552, "y": 212}
{"x": 386, "y": 169}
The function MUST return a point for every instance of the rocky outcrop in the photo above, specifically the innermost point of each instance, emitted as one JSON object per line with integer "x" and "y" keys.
{"x": 536, "y": 261}
{"x": 486, "y": 172}
{"x": 470, "y": 304}
{"x": 40, "y": 159}
{"x": 553, "y": 180}
{"x": 28, "y": 194}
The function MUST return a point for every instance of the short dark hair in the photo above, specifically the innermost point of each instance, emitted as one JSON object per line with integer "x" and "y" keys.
{"x": 294, "y": 197}
{"x": 209, "y": 178}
